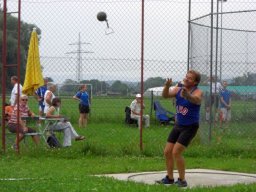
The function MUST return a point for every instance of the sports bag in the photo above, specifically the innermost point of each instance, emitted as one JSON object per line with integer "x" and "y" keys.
{"x": 53, "y": 142}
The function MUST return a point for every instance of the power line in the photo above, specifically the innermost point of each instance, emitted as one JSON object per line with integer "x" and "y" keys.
{"x": 79, "y": 51}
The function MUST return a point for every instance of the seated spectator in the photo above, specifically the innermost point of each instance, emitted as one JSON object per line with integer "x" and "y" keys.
{"x": 135, "y": 111}
{"x": 14, "y": 126}
{"x": 65, "y": 126}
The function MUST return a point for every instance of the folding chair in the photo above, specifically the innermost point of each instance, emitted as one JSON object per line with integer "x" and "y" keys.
{"x": 49, "y": 124}
{"x": 162, "y": 115}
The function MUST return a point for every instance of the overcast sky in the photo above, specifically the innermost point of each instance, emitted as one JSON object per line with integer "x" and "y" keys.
{"x": 115, "y": 56}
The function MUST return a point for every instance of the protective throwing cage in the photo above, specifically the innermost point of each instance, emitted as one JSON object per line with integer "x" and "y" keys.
{"x": 223, "y": 46}
{"x": 76, "y": 48}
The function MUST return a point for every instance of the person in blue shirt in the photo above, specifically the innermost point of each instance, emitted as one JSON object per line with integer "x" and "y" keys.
{"x": 225, "y": 104}
{"x": 84, "y": 105}
{"x": 40, "y": 96}
{"x": 188, "y": 102}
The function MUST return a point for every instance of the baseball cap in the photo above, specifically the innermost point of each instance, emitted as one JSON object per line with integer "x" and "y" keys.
{"x": 138, "y": 95}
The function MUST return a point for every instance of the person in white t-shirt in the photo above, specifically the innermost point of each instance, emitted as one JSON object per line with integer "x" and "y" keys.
{"x": 49, "y": 96}
{"x": 214, "y": 98}
{"x": 14, "y": 94}
{"x": 135, "y": 111}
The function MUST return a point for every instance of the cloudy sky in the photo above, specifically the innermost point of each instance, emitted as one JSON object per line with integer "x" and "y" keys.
{"x": 117, "y": 55}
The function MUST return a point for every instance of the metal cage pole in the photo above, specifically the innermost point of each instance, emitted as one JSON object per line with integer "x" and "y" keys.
{"x": 142, "y": 69}
{"x": 5, "y": 67}
{"x": 217, "y": 42}
{"x": 211, "y": 64}
{"x": 189, "y": 31}
{"x": 18, "y": 72}
{"x": 221, "y": 32}
{"x": 216, "y": 61}
{"x": 221, "y": 10}
{"x": 4, "y": 48}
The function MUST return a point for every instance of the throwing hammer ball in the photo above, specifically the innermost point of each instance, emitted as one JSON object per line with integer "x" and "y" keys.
{"x": 102, "y": 16}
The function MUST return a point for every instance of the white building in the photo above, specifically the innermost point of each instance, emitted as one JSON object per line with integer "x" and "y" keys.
{"x": 156, "y": 91}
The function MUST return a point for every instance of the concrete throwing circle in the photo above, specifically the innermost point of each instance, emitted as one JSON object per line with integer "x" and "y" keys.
{"x": 194, "y": 177}
{"x": 199, "y": 177}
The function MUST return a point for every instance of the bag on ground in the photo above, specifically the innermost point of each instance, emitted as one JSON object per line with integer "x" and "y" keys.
{"x": 53, "y": 142}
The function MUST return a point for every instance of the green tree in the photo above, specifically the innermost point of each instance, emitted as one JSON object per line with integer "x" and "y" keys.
{"x": 69, "y": 86}
{"x": 12, "y": 44}
{"x": 98, "y": 87}
{"x": 119, "y": 87}
{"x": 246, "y": 79}
{"x": 153, "y": 82}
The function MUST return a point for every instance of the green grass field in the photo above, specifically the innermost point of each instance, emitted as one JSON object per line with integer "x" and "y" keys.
{"x": 113, "y": 147}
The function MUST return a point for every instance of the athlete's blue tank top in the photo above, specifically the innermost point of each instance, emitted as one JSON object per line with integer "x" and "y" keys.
{"x": 187, "y": 113}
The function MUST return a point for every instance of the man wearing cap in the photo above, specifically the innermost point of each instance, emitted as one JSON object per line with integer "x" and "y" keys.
{"x": 135, "y": 111}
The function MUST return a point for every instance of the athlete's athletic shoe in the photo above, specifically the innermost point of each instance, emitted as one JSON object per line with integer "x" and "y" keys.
{"x": 181, "y": 183}
{"x": 166, "y": 181}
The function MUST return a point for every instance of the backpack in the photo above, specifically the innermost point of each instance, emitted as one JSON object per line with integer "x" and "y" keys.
{"x": 128, "y": 118}
{"x": 53, "y": 142}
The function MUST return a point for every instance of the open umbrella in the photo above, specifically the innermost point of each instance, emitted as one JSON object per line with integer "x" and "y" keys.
{"x": 33, "y": 78}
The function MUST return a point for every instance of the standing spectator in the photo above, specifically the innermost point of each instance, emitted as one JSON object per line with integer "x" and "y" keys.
{"x": 225, "y": 104}
{"x": 213, "y": 98}
{"x": 13, "y": 124}
{"x": 14, "y": 94}
{"x": 40, "y": 96}
{"x": 136, "y": 109}
{"x": 49, "y": 96}
{"x": 188, "y": 101}
{"x": 84, "y": 105}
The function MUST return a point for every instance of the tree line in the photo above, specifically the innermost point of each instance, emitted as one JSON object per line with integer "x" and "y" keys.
{"x": 12, "y": 44}
{"x": 125, "y": 88}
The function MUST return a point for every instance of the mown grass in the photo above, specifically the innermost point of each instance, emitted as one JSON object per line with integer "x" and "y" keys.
{"x": 113, "y": 147}
{"x": 71, "y": 170}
